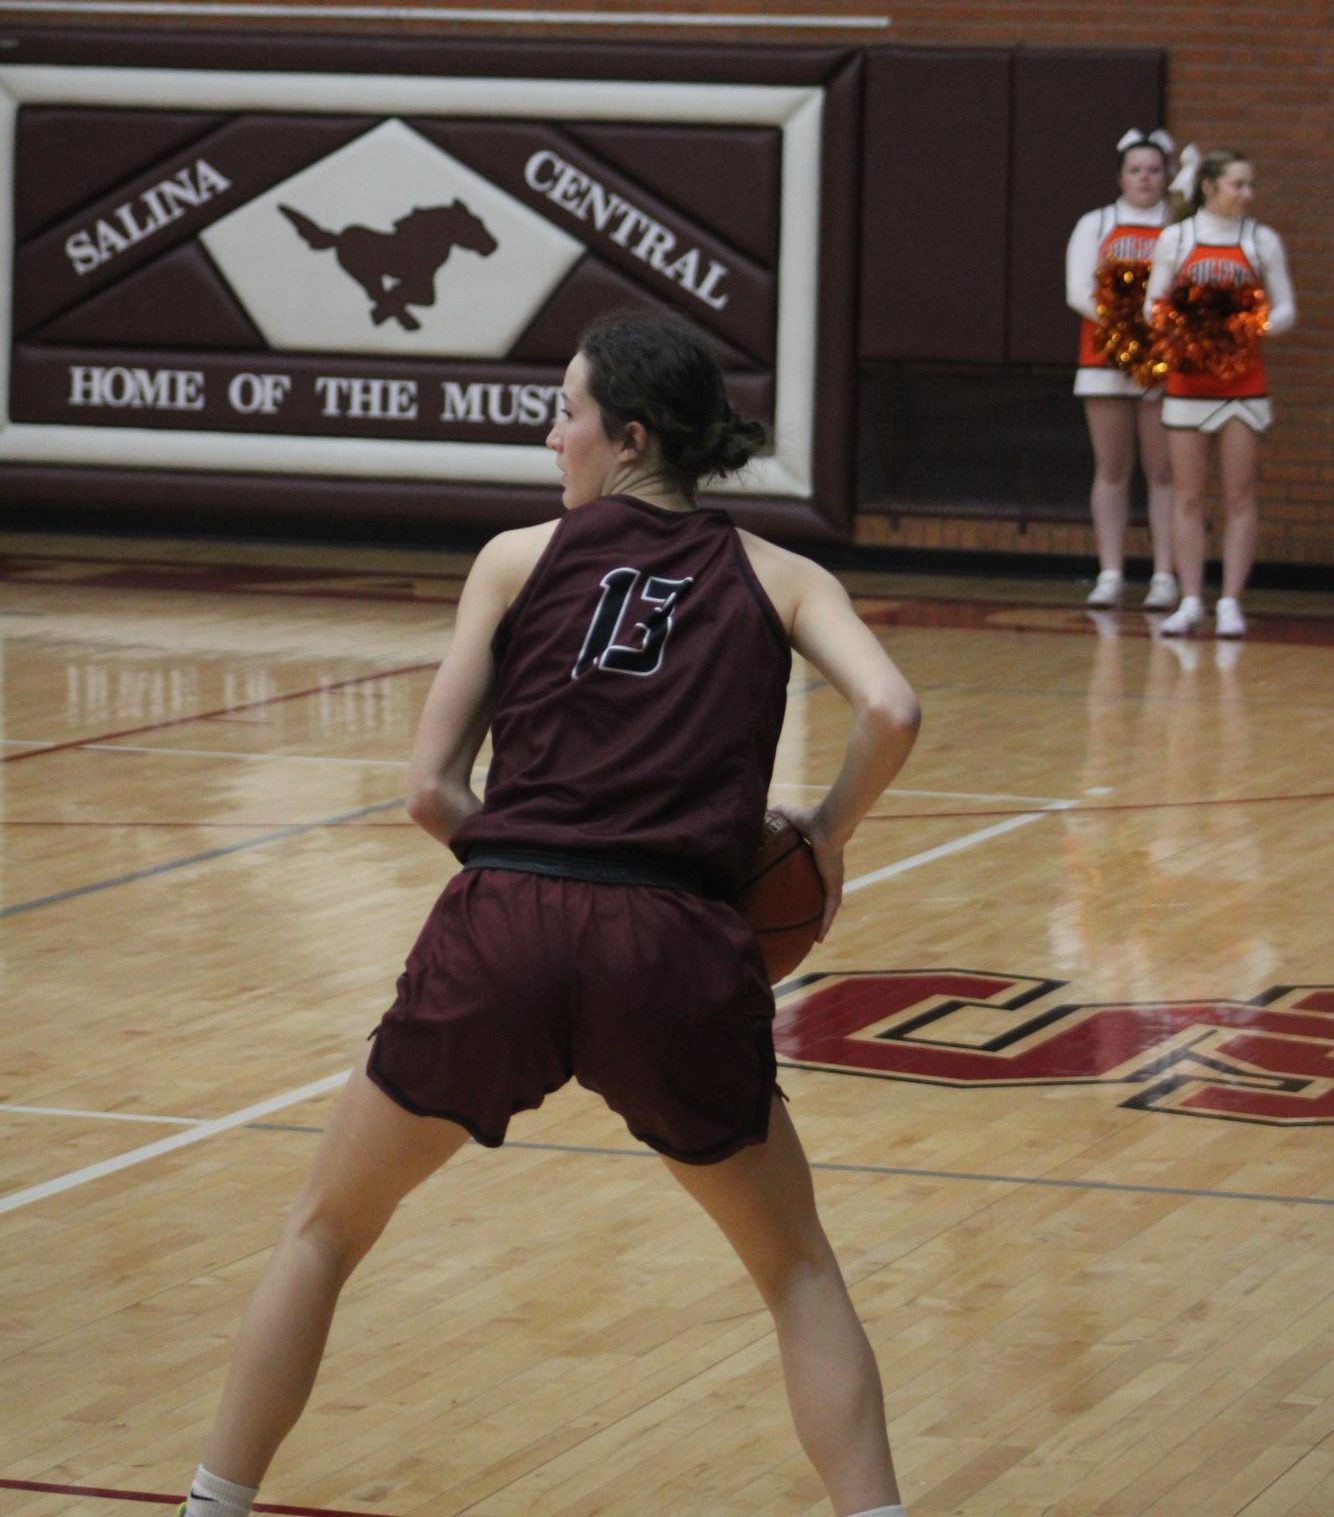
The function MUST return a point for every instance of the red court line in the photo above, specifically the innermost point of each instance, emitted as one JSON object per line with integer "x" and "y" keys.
{"x": 158, "y": 1499}
{"x": 1065, "y": 621}
{"x": 224, "y": 579}
{"x": 293, "y": 571}
{"x": 203, "y": 716}
{"x": 351, "y": 584}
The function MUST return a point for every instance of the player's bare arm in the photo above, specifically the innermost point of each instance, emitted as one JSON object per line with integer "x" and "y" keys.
{"x": 825, "y": 629}
{"x": 457, "y": 712}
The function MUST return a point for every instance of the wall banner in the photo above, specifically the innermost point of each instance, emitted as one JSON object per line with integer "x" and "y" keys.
{"x": 371, "y": 263}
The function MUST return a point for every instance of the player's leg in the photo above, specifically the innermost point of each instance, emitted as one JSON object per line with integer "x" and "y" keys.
{"x": 372, "y": 1154}
{"x": 1111, "y": 425}
{"x": 763, "y": 1200}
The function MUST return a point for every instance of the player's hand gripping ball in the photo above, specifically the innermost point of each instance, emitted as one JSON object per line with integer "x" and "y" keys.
{"x": 783, "y": 896}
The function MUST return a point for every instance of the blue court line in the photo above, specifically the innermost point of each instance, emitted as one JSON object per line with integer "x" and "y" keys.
{"x": 196, "y": 858}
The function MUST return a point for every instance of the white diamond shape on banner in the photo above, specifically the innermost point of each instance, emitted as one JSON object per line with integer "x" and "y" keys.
{"x": 345, "y": 256}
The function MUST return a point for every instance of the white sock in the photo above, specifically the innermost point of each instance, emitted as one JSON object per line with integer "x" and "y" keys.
{"x": 212, "y": 1496}
{"x": 883, "y": 1511}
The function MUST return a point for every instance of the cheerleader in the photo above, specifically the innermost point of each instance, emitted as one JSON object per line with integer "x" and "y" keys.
{"x": 1108, "y": 257}
{"x": 1216, "y": 379}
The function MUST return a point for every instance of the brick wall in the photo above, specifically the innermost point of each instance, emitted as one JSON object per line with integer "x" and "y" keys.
{"x": 1255, "y": 80}
{"x": 1259, "y": 81}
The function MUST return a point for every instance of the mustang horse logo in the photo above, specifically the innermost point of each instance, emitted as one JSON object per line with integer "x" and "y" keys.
{"x": 397, "y": 269}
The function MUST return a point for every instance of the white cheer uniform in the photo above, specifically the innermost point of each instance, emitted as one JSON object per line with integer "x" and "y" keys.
{"x": 1126, "y": 234}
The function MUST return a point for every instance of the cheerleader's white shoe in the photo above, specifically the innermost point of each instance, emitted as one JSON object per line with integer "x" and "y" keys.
{"x": 1162, "y": 592}
{"x": 1106, "y": 592}
{"x": 1228, "y": 620}
{"x": 1187, "y": 618}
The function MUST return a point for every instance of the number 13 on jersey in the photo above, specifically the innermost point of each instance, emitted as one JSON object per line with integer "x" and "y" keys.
{"x": 648, "y": 634}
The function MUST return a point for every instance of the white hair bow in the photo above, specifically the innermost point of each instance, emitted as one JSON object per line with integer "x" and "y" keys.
{"x": 1135, "y": 138}
{"x": 1184, "y": 183}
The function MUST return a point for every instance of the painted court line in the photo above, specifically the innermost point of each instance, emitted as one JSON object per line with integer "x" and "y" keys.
{"x": 263, "y": 758}
{"x": 147, "y": 1151}
{"x": 208, "y": 1129}
{"x": 969, "y": 840}
{"x": 948, "y": 795}
{"x": 982, "y": 1176}
{"x": 158, "y": 1498}
{"x": 221, "y": 711}
{"x": 20, "y": 907}
{"x": 96, "y": 1116}
{"x": 977, "y": 795}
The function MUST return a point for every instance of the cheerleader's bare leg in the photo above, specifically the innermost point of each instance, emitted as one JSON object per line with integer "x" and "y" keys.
{"x": 1189, "y": 453}
{"x": 1157, "y": 465}
{"x": 1238, "y": 465}
{"x": 1111, "y": 424}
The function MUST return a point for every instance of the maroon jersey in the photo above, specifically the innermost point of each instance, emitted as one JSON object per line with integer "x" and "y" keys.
{"x": 641, "y": 677}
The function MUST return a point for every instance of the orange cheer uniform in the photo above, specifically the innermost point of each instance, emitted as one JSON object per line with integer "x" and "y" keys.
{"x": 1225, "y": 264}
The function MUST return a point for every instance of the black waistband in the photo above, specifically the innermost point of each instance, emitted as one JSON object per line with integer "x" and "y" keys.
{"x": 600, "y": 868}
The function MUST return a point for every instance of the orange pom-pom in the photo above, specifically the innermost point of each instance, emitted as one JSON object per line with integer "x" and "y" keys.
{"x": 1212, "y": 329}
{"x": 1122, "y": 334}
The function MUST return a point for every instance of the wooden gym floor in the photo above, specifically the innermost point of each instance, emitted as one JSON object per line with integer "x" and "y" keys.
{"x": 1065, "y": 1069}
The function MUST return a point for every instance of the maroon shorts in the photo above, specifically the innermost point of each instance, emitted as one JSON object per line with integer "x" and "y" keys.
{"x": 656, "y": 999}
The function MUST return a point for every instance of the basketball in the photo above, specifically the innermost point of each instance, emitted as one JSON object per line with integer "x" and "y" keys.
{"x": 783, "y": 897}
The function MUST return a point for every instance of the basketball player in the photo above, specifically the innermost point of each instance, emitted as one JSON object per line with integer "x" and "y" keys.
{"x": 631, "y": 662}
{"x": 1219, "y": 244}
{"x": 1119, "y": 413}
